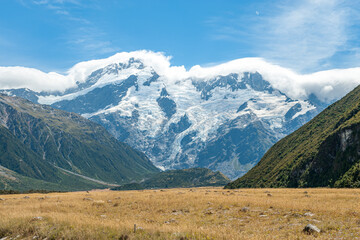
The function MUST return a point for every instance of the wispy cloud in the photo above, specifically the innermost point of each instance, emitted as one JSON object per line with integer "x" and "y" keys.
{"x": 304, "y": 35}
{"x": 82, "y": 35}
{"x": 61, "y": 7}
{"x": 308, "y": 34}
{"x": 92, "y": 45}
{"x": 56, "y": 2}
{"x": 326, "y": 85}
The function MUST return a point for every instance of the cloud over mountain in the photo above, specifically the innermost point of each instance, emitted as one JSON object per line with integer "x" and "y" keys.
{"x": 21, "y": 77}
{"x": 326, "y": 85}
{"x": 223, "y": 117}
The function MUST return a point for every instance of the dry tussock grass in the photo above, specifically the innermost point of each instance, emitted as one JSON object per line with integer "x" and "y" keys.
{"x": 199, "y": 213}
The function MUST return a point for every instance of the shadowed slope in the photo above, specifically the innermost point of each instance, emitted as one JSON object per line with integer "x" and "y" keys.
{"x": 324, "y": 152}
{"x": 35, "y": 139}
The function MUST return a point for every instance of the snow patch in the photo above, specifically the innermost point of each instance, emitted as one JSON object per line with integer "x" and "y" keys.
{"x": 326, "y": 85}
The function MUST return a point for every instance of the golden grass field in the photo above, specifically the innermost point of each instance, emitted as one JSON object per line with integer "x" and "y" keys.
{"x": 198, "y": 213}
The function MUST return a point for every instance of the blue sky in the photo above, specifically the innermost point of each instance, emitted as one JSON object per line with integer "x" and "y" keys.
{"x": 306, "y": 35}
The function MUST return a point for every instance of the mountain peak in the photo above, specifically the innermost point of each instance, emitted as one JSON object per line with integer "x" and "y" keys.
{"x": 325, "y": 85}
{"x": 234, "y": 111}
{"x": 322, "y": 153}
{"x": 180, "y": 124}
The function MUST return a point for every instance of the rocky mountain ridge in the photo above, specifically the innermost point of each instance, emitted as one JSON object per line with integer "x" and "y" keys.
{"x": 63, "y": 149}
{"x": 224, "y": 121}
{"x": 325, "y": 152}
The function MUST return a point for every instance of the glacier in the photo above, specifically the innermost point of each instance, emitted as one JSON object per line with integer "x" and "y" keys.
{"x": 223, "y": 117}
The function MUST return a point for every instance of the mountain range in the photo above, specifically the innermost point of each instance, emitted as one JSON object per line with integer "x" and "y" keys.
{"x": 224, "y": 119}
{"x": 325, "y": 152}
{"x": 45, "y": 148}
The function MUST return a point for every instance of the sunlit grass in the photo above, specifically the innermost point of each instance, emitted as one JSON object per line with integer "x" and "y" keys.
{"x": 198, "y": 213}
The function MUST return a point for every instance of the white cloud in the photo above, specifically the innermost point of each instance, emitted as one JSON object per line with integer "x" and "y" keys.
{"x": 158, "y": 61}
{"x": 21, "y": 77}
{"x": 307, "y": 33}
{"x": 304, "y": 35}
{"x": 326, "y": 85}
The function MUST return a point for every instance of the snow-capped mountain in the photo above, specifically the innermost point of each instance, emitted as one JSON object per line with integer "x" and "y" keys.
{"x": 223, "y": 117}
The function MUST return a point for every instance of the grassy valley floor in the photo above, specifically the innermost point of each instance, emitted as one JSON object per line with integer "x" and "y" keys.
{"x": 198, "y": 213}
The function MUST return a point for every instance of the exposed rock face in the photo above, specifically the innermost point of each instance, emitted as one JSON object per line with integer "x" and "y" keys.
{"x": 345, "y": 138}
{"x": 223, "y": 122}
{"x": 325, "y": 152}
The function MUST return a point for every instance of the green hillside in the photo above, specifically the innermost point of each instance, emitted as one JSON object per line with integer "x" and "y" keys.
{"x": 55, "y": 146}
{"x": 193, "y": 177}
{"x": 10, "y": 180}
{"x": 325, "y": 152}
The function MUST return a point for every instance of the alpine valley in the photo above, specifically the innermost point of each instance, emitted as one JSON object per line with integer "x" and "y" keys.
{"x": 45, "y": 148}
{"x": 223, "y": 118}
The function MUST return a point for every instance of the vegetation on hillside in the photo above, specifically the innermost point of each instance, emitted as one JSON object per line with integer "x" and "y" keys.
{"x": 193, "y": 177}
{"x": 324, "y": 152}
{"x": 65, "y": 149}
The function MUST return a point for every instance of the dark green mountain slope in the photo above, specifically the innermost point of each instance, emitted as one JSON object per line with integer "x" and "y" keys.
{"x": 192, "y": 177}
{"x": 35, "y": 138}
{"x": 324, "y": 152}
{"x": 10, "y": 180}
{"x": 29, "y": 168}
{"x": 16, "y": 156}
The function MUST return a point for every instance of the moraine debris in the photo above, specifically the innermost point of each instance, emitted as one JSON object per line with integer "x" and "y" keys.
{"x": 310, "y": 229}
